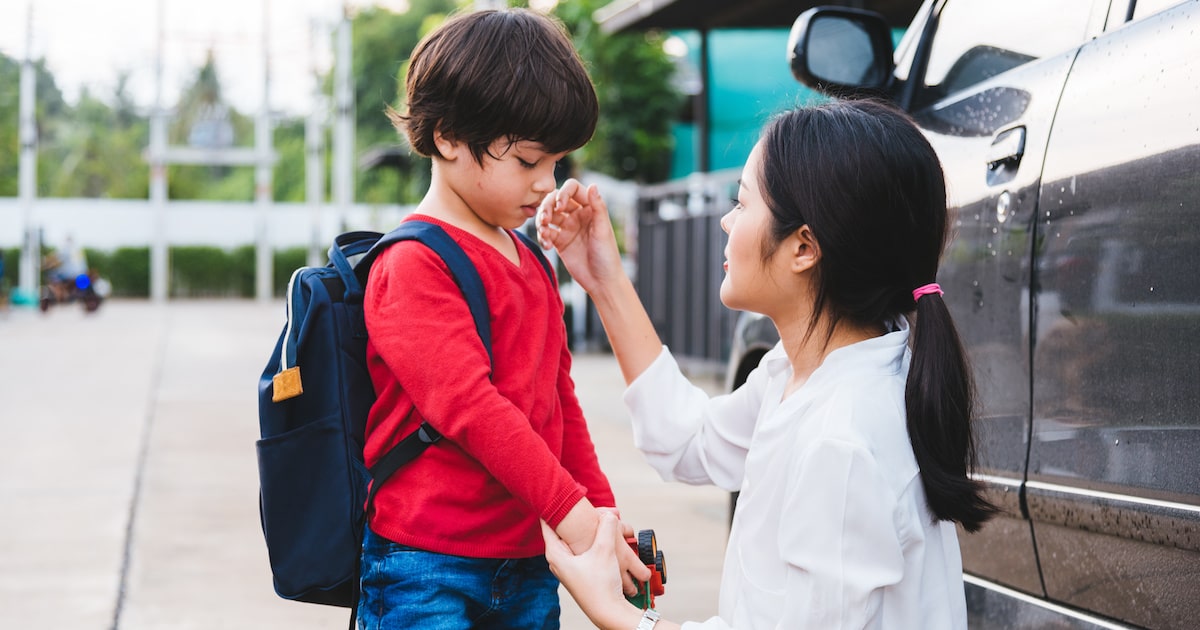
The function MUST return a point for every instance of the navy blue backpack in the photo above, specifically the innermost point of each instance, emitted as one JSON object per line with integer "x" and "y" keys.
{"x": 314, "y": 395}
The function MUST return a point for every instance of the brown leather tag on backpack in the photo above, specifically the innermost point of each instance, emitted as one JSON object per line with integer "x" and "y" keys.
{"x": 286, "y": 384}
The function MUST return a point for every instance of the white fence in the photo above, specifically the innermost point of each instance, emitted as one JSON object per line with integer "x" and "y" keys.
{"x": 107, "y": 224}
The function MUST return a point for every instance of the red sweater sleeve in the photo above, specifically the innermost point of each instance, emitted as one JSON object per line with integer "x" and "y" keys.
{"x": 579, "y": 453}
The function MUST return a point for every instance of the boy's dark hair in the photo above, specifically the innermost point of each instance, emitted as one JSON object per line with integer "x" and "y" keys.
{"x": 487, "y": 75}
{"x": 871, "y": 189}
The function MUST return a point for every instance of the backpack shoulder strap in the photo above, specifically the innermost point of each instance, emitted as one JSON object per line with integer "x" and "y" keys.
{"x": 537, "y": 252}
{"x": 467, "y": 277}
{"x": 461, "y": 269}
{"x": 468, "y": 280}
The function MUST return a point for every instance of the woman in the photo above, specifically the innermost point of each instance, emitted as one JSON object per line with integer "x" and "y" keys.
{"x": 851, "y": 442}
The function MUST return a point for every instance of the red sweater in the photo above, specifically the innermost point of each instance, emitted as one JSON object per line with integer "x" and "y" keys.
{"x": 516, "y": 447}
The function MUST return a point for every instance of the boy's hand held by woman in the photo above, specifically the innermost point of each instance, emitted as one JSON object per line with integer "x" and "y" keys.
{"x": 578, "y": 533}
{"x": 596, "y": 578}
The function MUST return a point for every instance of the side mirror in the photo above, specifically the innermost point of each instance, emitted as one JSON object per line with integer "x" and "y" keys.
{"x": 841, "y": 51}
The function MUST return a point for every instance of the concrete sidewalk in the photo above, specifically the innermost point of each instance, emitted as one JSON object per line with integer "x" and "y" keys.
{"x": 128, "y": 481}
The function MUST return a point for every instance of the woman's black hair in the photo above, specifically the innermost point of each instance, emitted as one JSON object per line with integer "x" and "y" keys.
{"x": 492, "y": 75}
{"x": 870, "y": 187}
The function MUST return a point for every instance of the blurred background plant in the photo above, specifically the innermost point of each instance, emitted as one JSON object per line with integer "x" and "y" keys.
{"x": 94, "y": 147}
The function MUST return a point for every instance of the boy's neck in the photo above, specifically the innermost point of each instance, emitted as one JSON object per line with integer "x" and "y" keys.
{"x": 442, "y": 204}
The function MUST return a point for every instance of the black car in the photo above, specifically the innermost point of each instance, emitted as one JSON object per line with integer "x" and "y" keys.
{"x": 1069, "y": 132}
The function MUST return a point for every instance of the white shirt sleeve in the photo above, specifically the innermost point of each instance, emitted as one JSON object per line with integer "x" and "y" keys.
{"x": 687, "y": 436}
{"x": 838, "y": 539}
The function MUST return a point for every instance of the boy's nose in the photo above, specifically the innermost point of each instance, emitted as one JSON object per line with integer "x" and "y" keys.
{"x": 545, "y": 182}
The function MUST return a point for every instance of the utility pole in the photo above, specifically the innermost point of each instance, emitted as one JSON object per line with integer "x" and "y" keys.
{"x": 31, "y": 259}
{"x": 159, "y": 155}
{"x": 314, "y": 146}
{"x": 158, "y": 175}
{"x": 343, "y": 129}
{"x": 264, "y": 172}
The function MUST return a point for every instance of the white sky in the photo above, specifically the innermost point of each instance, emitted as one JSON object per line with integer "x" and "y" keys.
{"x": 88, "y": 42}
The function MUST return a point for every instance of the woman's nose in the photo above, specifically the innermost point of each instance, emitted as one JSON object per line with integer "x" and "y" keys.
{"x": 727, "y": 221}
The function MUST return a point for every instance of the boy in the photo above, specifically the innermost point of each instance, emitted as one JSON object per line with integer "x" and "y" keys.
{"x": 495, "y": 98}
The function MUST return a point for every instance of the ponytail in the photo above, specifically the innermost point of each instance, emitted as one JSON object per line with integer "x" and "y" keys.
{"x": 878, "y": 211}
{"x": 939, "y": 399}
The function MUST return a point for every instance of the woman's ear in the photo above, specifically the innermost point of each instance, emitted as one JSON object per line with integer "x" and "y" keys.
{"x": 804, "y": 250}
{"x": 448, "y": 149}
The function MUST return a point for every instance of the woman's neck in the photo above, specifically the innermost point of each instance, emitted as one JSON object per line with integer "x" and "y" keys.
{"x": 807, "y": 348}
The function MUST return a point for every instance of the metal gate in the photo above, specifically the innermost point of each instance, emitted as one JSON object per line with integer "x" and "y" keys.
{"x": 679, "y": 253}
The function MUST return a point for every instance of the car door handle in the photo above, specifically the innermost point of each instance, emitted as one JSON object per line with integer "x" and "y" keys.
{"x": 1007, "y": 149}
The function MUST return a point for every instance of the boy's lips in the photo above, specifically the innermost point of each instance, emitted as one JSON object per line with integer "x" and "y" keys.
{"x": 530, "y": 210}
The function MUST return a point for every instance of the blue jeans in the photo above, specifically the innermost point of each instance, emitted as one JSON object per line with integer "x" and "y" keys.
{"x": 404, "y": 587}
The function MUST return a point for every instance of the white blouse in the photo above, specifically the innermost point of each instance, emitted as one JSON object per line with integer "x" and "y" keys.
{"x": 832, "y": 529}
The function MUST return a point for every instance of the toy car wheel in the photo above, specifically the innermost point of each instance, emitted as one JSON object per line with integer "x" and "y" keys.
{"x": 647, "y": 546}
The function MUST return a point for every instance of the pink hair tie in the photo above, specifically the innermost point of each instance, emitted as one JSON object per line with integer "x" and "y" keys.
{"x": 926, "y": 290}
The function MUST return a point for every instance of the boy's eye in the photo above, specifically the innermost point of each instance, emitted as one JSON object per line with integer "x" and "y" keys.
{"x": 525, "y": 164}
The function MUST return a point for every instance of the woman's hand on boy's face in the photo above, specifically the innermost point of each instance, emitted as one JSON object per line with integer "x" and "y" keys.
{"x": 560, "y": 220}
{"x": 574, "y": 220}
{"x": 557, "y": 222}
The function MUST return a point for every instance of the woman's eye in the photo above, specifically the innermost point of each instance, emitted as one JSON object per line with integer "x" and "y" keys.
{"x": 737, "y": 205}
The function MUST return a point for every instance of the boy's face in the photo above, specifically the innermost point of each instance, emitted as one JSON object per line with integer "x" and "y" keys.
{"x": 505, "y": 190}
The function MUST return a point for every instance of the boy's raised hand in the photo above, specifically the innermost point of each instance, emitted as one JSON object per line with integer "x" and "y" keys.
{"x": 574, "y": 220}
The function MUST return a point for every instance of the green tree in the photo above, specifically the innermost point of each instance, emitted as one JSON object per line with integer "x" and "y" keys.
{"x": 202, "y": 118}
{"x": 290, "y": 175}
{"x": 49, "y": 107}
{"x": 10, "y": 140}
{"x": 631, "y": 72}
{"x": 382, "y": 43}
{"x": 637, "y": 98}
{"x": 95, "y": 153}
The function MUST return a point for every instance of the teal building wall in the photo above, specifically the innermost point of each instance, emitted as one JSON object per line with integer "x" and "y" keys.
{"x": 749, "y": 81}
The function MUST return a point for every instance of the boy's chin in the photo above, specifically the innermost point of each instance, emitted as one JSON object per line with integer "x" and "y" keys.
{"x": 512, "y": 224}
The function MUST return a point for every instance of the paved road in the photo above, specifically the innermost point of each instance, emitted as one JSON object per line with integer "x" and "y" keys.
{"x": 128, "y": 483}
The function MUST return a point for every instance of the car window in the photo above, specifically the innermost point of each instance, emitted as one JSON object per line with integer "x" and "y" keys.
{"x": 1146, "y": 8}
{"x": 979, "y": 39}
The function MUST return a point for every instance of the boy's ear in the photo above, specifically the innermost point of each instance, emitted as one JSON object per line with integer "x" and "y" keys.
{"x": 803, "y": 249}
{"x": 447, "y": 148}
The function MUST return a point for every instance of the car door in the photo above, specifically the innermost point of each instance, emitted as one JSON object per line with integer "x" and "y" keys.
{"x": 985, "y": 96}
{"x": 1114, "y": 478}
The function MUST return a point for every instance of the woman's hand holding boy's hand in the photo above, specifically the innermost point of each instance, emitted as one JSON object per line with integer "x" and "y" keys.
{"x": 578, "y": 531}
{"x": 594, "y": 577}
{"x": 574, "y": 220}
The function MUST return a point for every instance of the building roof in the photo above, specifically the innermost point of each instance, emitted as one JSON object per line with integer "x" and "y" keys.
{"x": 622, "y": 15}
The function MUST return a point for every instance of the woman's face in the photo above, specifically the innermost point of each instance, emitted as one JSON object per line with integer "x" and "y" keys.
{"x": 749, "y": 283}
